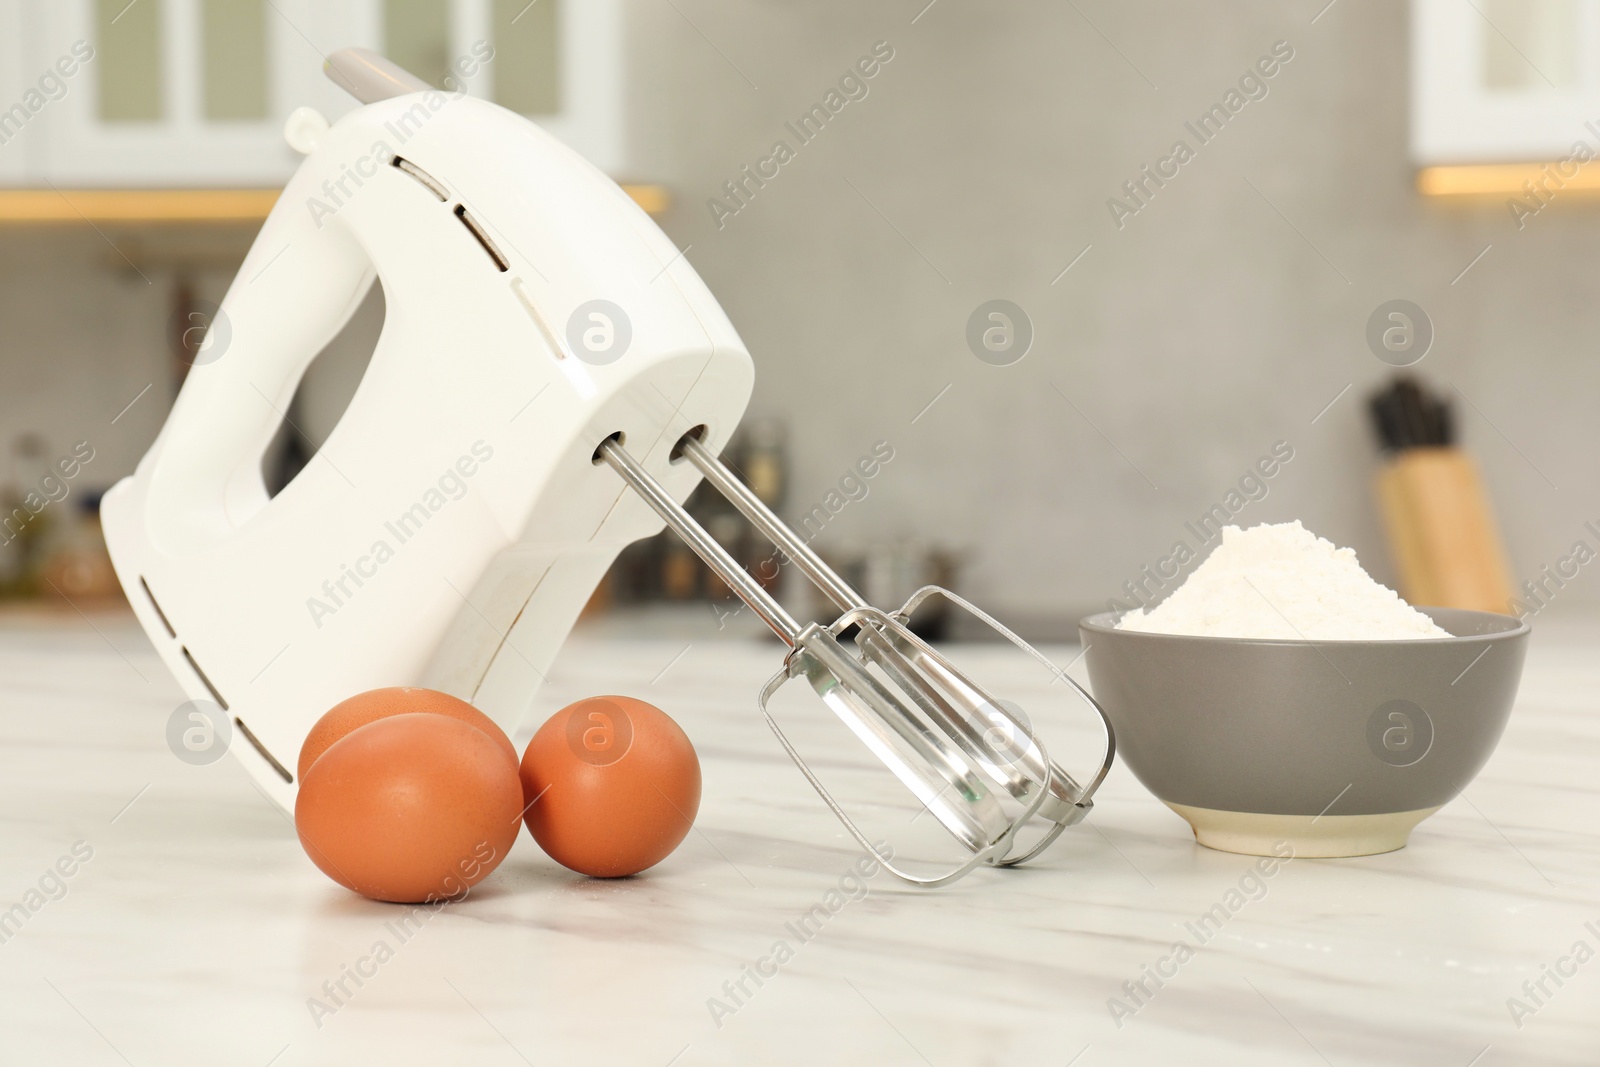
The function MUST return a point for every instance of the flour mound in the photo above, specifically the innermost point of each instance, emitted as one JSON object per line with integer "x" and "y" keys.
{"x": 1283, "y": 582}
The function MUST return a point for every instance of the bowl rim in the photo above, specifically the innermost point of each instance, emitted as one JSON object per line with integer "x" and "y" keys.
{"x": 1516, "y": 627}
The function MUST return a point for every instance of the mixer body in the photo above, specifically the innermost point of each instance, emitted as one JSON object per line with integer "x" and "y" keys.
{"x": 453, "y": 524}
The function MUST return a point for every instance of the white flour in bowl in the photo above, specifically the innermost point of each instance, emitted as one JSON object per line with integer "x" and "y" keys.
{"x": 1283, "y": 582}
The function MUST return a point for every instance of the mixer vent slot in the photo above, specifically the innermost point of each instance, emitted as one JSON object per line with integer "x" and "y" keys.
{"x": 283, "y": 772}
{"x": 200, "y": 674}
{"x": 159, "y": 613}
{"x": 428, "y": 181}
{"x": 477, "y": 229}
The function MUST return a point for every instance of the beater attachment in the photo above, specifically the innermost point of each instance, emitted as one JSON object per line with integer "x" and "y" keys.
{"x": 970, "y": 759}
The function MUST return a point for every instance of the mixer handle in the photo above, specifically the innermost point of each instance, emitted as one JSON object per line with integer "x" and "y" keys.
{"x": 296, "y": 289}
{"x": 369, "y": 77}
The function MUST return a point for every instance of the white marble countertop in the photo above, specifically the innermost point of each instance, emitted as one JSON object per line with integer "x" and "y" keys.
{"x": 196, "y": 932}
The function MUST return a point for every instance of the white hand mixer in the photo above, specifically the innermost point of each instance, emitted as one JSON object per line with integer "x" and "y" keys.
{"x": 539, "y": 327}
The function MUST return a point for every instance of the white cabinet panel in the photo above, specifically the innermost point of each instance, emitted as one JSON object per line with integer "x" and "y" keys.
{"x": 1504, "y": 80}
{"x": 137, "y": 118}
{"x": 195, "y": 92}
{"x": 558, "y": 61}
{"x": 18, "y": 134}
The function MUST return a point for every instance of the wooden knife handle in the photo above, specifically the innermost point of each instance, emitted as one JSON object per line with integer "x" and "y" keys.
{"x": 1442, "y": 531}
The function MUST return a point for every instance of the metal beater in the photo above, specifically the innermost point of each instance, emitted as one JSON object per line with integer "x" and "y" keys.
{"x": 956, "y": 747}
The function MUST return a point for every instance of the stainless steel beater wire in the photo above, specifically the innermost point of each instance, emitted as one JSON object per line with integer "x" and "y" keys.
{"x": 824, "y": 577}
{"x": 849, "y": 675}
{"x": 704, "y": 545}
{"x": 931, "y": 745}
{"x": 932, "y": 702}
{"x": 834, "y": 587}
{"x": 773, "y": 528}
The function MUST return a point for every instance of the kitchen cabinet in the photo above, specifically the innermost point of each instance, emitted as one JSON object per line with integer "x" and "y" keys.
{"x": 194, "y": 93}
{"x": 12, "y": 167}
{"x": 1502, "y": 81}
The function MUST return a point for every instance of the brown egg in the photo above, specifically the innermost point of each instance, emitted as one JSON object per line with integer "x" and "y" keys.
{"x": 611, "y": 786}
{"x": 380, "y": 703}
{"x": 409, "y": 808}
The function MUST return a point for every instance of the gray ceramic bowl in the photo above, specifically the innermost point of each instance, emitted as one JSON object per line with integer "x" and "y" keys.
{"x": 1338, "y": 748}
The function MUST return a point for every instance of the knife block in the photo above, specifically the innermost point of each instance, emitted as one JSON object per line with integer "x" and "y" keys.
{"x": 1442, "y": 531}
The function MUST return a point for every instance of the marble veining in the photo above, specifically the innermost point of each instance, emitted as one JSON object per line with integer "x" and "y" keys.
{"x": 192, "y": 930}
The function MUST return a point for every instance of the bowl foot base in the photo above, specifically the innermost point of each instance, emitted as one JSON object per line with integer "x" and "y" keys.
{"x": 1311, "y": 836}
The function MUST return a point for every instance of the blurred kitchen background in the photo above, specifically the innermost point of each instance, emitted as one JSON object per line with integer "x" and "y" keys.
{"x": 1218, "y": 315}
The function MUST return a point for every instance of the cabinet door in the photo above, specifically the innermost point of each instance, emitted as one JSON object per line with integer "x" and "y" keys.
{"x": 19, "y": 120}
{"x": 178, "y": 92}
{"x": 559, "y": 62}
{"x": 195, "y": 92}
{"x": 1496, "y": 81}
